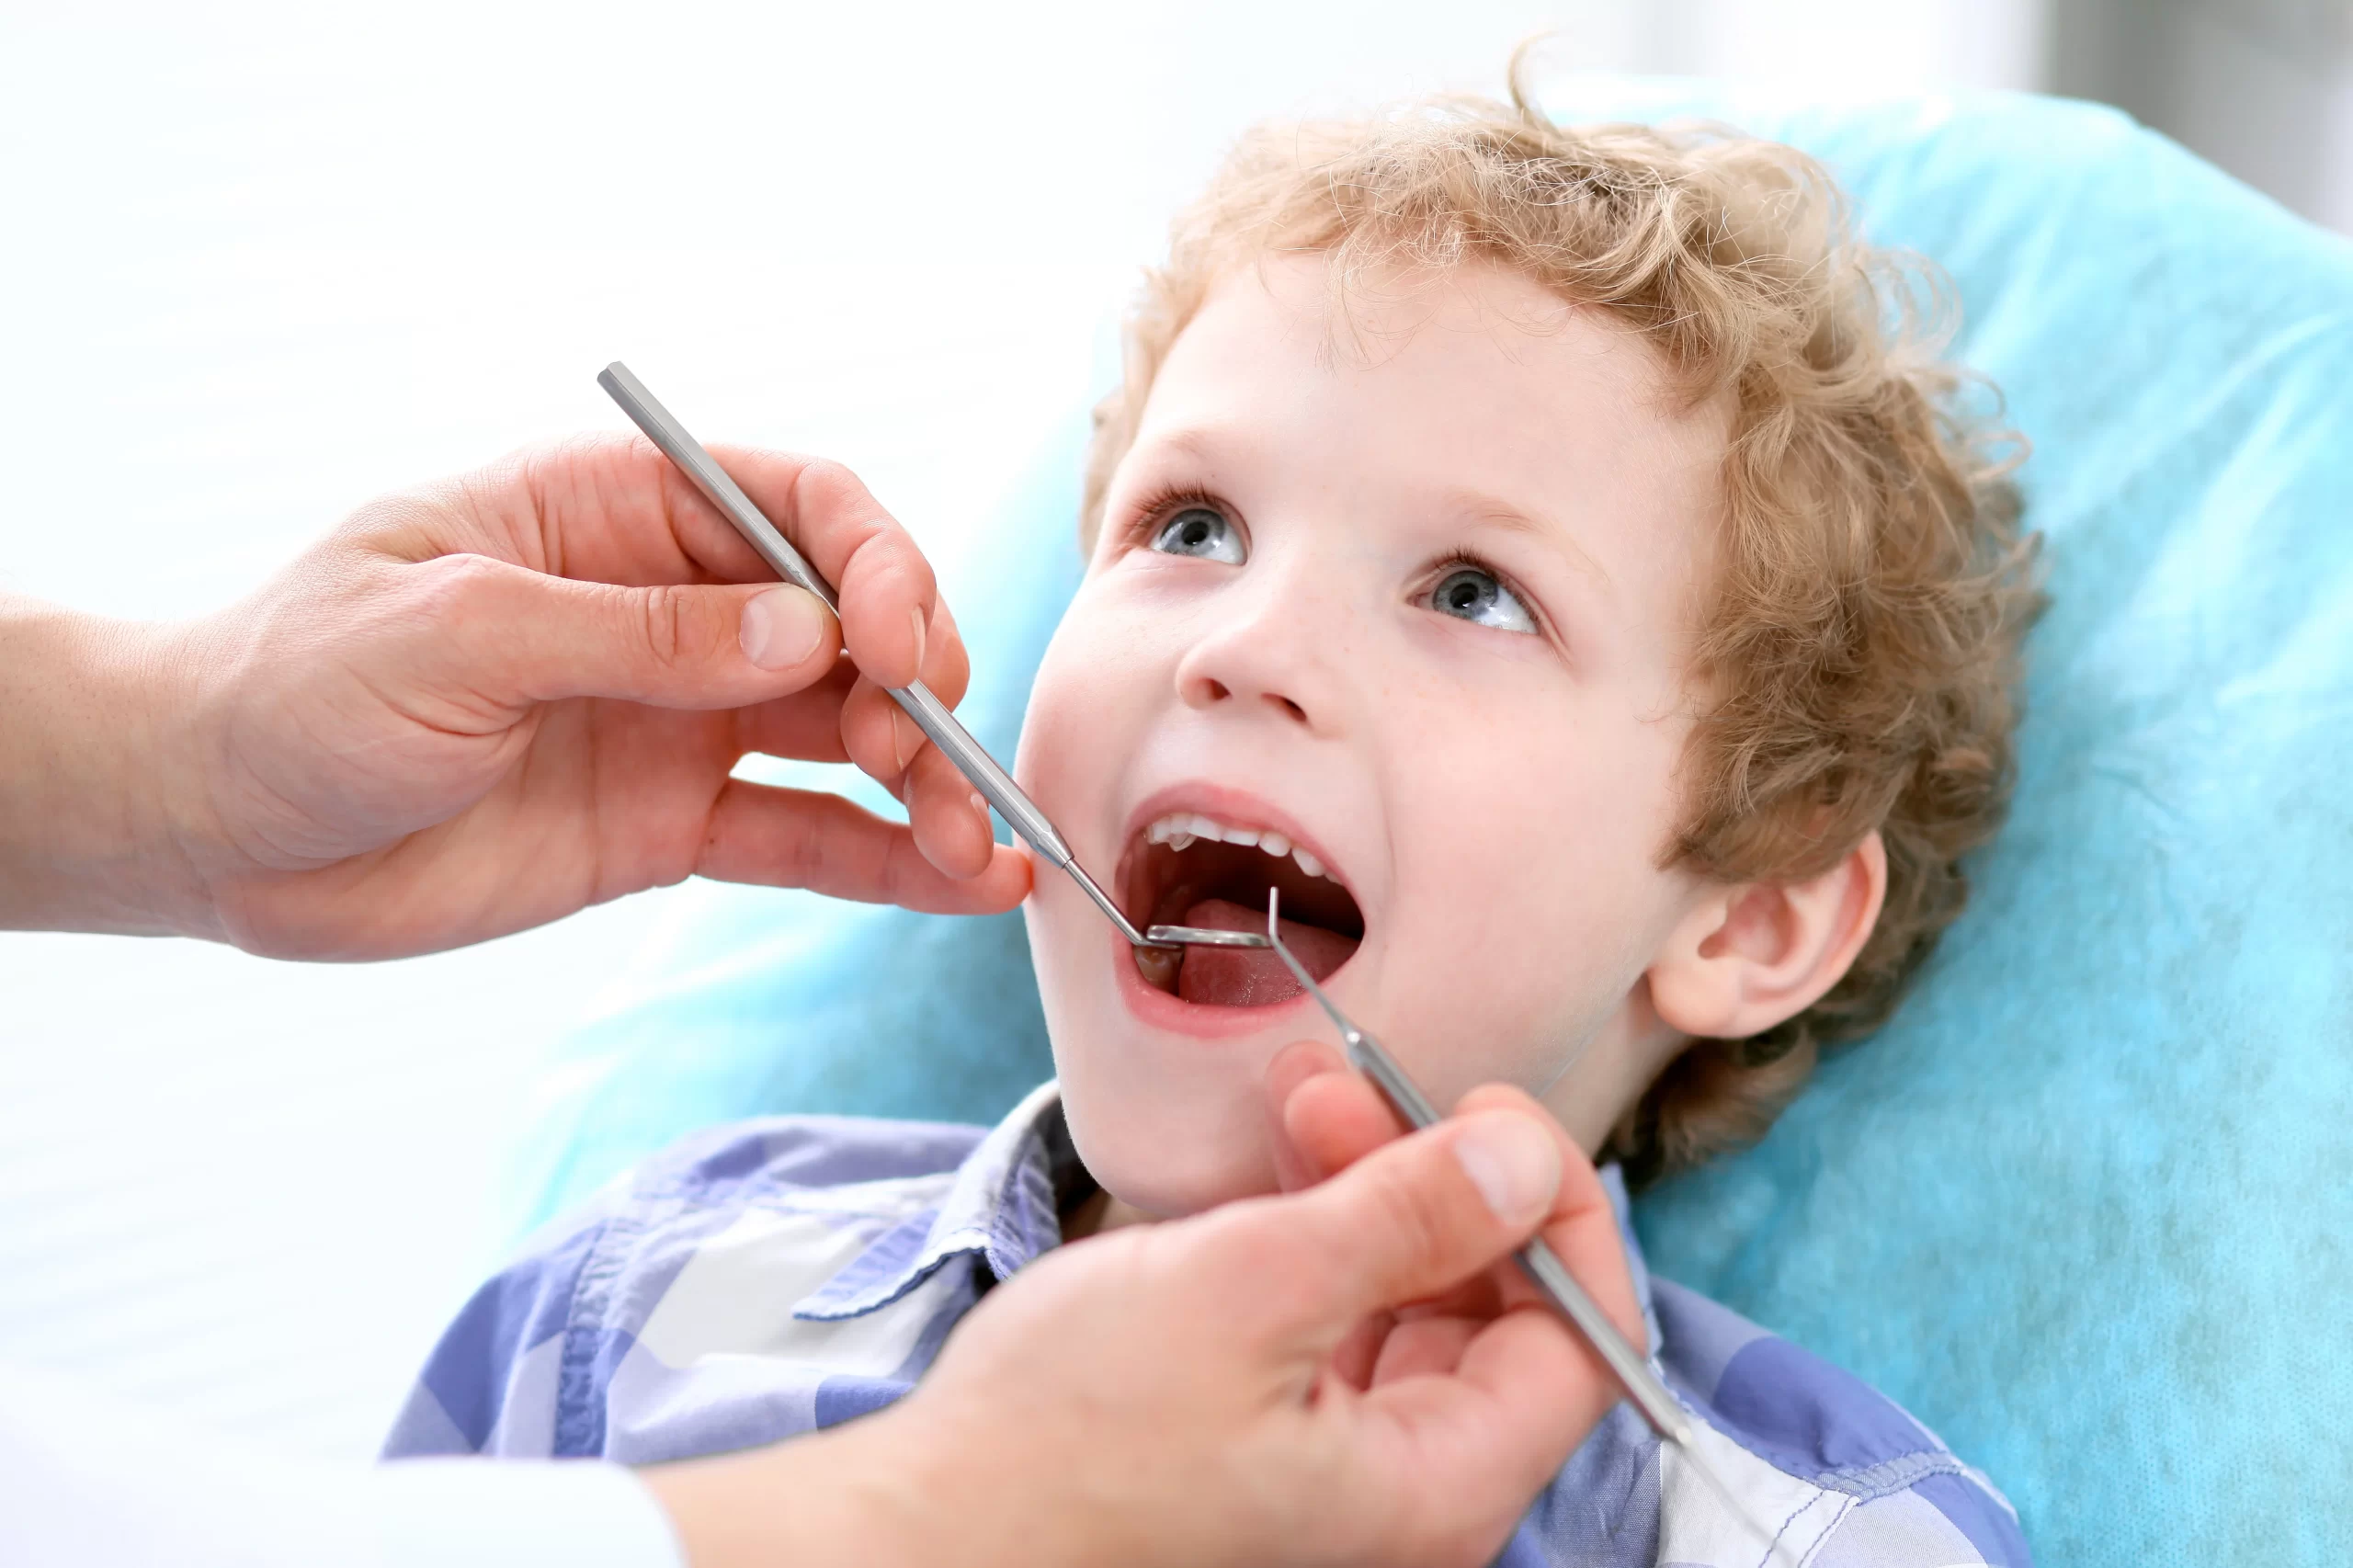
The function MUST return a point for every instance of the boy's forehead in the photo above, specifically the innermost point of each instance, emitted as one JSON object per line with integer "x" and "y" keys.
{"x": 1479, "y": 362}
{"x": 1476, "y": 393}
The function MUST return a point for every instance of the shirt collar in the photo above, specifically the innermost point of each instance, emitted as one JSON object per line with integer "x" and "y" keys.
{"x": 1002, "y": 1206}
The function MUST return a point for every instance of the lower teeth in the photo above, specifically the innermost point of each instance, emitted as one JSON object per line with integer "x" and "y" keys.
{"x": 1159, "y": 966}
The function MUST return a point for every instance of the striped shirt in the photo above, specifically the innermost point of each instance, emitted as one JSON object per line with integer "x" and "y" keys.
{"x": 774, "y": 1277}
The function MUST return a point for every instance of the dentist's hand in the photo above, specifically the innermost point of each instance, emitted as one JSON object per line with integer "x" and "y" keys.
{"x": 483, "y": 704}
{"x": 1332, "y": 1117}
{"x": 1196, "y": 1393}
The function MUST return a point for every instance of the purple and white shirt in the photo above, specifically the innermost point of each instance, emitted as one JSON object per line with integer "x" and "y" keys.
{"x": 774, "y": 1277}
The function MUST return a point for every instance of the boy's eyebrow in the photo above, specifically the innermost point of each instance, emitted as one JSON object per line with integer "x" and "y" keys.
{"x": 1200, "y": 443}
{"x": 1482, "y": 508}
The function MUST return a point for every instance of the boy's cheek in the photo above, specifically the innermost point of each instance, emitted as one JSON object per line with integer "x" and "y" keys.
{"x": 1502, "y": 974}
{"x": 1056, "y": 746}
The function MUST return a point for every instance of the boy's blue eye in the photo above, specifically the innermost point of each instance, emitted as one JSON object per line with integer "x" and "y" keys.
{"x": 1201, "y": 531}
{"x": 1472, "y": 593}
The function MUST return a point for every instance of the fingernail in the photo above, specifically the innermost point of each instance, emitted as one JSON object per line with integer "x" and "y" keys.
{"x": 906, "y": 739}
{"x": 781, "y": 627}
{"x": 1513, "y": 1163}
{"x": 921, "y": 624}
{"x": 980, "y": 805}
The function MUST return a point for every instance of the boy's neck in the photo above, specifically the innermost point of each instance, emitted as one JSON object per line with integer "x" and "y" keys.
{"x": 1098, "y": 1212}
{"x": 1614, "y": 1070}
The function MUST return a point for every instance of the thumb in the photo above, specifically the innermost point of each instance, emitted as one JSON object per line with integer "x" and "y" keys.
{"x": 537, "y": 638}
{"x": 1417, "y": 1217}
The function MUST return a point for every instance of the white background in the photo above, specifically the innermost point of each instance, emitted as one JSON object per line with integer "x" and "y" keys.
{"x": 262, "y": 265}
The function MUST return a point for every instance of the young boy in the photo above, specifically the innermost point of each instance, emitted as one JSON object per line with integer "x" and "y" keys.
{"x": 1544, "y": 557}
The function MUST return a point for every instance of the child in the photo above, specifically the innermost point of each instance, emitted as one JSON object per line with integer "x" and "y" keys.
{"x": 1542, "y": 555}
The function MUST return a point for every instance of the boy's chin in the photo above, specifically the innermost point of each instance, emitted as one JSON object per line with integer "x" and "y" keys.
{"x": 1142, "y": 1158}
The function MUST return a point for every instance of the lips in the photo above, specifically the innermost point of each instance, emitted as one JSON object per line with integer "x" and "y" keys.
{"x": 1192, "y": 869}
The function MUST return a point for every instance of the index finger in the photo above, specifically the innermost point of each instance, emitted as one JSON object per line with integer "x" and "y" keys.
{"x": 1331, "y": 1116}
{"x": 889, "y": 597}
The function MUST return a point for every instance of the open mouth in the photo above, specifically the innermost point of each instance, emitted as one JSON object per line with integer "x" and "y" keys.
{"x": 1187, "y": 869}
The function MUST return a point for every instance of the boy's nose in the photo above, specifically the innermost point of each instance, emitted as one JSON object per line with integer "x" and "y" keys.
{"x": 1276, "y": 662}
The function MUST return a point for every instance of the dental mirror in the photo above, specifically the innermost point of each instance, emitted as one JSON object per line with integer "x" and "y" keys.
{"x": 1200, "y": 937}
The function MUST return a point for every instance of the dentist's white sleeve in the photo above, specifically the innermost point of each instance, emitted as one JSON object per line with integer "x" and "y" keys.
{"x": 94, "y": 1483}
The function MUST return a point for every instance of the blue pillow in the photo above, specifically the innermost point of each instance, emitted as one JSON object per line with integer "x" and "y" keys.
{"x": 2086, "y": 1204}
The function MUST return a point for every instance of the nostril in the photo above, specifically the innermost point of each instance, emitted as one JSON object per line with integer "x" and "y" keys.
{"x": 1200, "y": 691}
{"x": 1293, "y": 708}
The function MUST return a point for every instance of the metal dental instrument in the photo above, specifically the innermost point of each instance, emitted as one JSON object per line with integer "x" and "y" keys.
{"x": 1538, "y": 1262}
{"x": 931, "y": 715}
{"x": 1201, "y": 937}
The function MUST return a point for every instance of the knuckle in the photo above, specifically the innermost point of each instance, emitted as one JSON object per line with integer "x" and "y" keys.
{"x": 824, "y": 479}
{"x": 808, "y": 853}
{"x": 800, "y": 860}
{"x": 458, "y": 588}
{"x": 908, "y": 879}
{"x": 666, "y": 625}
{"x": 406, "y": 524}
{"x": 826, "y": 491}
{"x": 865, "y": 729}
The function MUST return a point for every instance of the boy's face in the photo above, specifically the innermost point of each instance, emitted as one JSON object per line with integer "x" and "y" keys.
{"x": 1414, "y": 587}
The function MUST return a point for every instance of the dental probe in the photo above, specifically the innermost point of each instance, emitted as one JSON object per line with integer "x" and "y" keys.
{"x": 1542, "y": 1265}
{"x": 931, "y": 715}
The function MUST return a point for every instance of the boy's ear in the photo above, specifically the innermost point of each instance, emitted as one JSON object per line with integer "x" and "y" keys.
{"x": 1754, "y": 955}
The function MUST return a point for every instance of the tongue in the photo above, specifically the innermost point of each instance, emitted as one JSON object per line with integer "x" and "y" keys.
{"x": 1254, "y": 977}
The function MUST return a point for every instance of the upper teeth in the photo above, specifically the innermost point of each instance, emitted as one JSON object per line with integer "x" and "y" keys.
{"x": 1179, "y": 829}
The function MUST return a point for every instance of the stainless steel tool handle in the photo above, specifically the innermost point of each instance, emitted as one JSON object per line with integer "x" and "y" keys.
{"x": 930, "y": 714}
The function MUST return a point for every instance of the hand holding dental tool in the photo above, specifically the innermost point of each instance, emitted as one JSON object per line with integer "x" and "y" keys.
{"x": 1646, "y": 1390}
{"x": 930, "y": 714}
{"x": 1230, "y": 1438}
{"x": 403, "y": 742}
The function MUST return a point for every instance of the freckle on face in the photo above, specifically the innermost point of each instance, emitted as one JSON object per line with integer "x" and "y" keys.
{"x": 1492, "y": 800}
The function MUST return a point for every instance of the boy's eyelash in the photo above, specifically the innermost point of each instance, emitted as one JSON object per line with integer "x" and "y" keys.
{"x": 1158, "y": 506}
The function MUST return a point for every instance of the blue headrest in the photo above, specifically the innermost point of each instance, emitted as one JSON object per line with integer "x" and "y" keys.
{"x": 2086, "y": 1204}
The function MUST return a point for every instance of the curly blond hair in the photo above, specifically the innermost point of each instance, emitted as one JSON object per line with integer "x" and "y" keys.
{"x": 1861, "y": 654}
